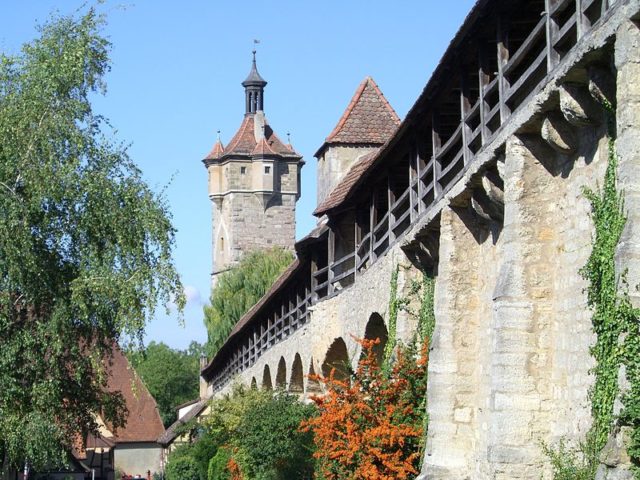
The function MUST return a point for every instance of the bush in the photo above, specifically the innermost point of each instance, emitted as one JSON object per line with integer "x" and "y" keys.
{"x": 182, "y": 468}
{"x": 258, "y": 437}
{"x": 271, "y": 442}
{"x": 218, "y": 465}
{"x": 372, "y": 425}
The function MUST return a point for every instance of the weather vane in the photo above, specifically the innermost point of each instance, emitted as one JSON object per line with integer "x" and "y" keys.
{"x": 255, "y": 42}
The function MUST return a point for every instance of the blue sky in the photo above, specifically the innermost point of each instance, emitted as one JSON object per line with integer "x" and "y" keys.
{"x": 175, "y": 81}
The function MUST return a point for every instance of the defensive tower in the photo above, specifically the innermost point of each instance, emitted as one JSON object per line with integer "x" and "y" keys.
{"x": 254, "y": 183}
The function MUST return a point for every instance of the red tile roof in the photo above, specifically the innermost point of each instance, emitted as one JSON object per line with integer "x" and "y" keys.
{"x": 368, "y": 119}
{"x": 244, "y": 142}
{"x": 143, "y": 422}
{"x": 341, "y": 191}
{"x": 216, "y": 152}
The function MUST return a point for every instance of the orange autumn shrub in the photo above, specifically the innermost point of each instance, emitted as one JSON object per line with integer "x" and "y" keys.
{"x": 372, "y": 426}
{"x": 234, "y": 470}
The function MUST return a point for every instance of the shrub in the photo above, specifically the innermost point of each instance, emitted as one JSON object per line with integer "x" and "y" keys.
{"x": 182, "y": 468}
{"x": 371, "y": 426}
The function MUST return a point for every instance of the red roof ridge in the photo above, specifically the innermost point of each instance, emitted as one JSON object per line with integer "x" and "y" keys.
{"x": 262, "y": 147}
{"x": 233, "y": 143}
{"x": 368, "y": 81}
{"x": 216, "y": 152}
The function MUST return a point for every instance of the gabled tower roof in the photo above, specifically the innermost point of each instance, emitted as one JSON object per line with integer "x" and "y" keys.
{"x": 216, "y": 152}
{"x": 368, "y": 120}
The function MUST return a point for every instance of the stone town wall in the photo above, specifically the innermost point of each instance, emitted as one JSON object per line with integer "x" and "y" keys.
{"x": 344, "y": 316}
{"x": 509, "y": 364}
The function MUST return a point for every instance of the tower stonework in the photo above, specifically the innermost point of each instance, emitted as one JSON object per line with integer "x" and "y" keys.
{"x": 254, "y": 183}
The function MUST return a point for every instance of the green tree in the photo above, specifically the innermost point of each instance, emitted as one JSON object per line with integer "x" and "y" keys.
{"x": 271, "y": 443}
{"x": 182, "y": 468}
{"x": 240, "y": 288}
{"x": 85, "y": 245}
{"x": 171, "y": 376}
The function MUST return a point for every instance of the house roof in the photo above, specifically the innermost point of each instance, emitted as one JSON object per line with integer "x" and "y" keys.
{"x": 143, "y": 421}
{"x": 369, "y": 119}
{"x": 173, "y": 431}
{"x": 247, "y": 142}
{"x": 346, "y": 185}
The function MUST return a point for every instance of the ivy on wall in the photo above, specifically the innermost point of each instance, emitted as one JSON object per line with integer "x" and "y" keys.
{"x": 424, "y": 291}
{"x": 615, "y": 321}
{"x": 617, "y": 327}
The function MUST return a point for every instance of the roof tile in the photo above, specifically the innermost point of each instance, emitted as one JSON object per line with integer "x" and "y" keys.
{"x": 368, "y": 119}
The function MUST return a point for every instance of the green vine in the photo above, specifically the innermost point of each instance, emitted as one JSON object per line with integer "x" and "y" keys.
{"x": 614, "y": 319}
{"x": 617, "y": 327}
{"x": 394, "y": 307}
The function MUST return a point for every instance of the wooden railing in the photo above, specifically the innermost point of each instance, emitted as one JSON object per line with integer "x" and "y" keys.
{"x": 502, "y": 88}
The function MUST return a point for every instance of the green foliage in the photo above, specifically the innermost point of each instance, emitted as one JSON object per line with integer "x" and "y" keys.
{"x": 271, "y": 444}
{"x": 259, "y": 431}
{"x": 569, "y": 464}
{"x": 171, "y": 376}
{"x": 85, "y": 245}
{"x": 238, "y": 289}
{"x": 394, "y": 306}
{"x": 182, "y": 468}
{"x": 218, "y": 465}
{"x": 616, "y": 324}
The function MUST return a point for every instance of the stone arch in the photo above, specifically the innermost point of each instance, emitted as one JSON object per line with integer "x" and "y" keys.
{"x": 254, "y": 383}
{"x": 266, "y": 379}
{"x": 377, "y": 329}
{"x": 313, "y": 385}
{"x": 281, "y": 374}
{"x": 296, "y": 383}
{"x": 337, "y": 358}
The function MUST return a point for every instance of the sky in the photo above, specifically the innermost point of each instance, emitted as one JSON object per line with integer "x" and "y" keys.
{"x": 175, "y": 81}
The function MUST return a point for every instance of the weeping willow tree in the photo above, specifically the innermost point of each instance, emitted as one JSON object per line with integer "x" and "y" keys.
{"x": 239, "y": 289}
{"x": 85, "y": 246}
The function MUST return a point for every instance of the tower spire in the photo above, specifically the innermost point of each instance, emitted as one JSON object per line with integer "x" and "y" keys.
{"x": 254, "y": 89}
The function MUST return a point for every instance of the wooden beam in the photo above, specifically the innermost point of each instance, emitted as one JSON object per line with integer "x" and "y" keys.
{"x": 582, "y": 21}
{"x": 391, "y": 198}
{"x": 357, "y": 239}
{"x": 503, "y": 58}
{"x": 436, "y": 142}
{"x": 373, "y": 213}
{"x": 483, "y": 80}
{"x": 314, "y": 280}
{"x": 553, "y": 57}
{"x": 419, "y": 166}
{"x": 465, "y": 106}
{"x": 331, "y": 256}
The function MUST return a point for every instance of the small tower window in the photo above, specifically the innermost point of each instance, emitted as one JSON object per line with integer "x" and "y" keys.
{"x": 267, "y": 170}
{"x": 243, "y": 170}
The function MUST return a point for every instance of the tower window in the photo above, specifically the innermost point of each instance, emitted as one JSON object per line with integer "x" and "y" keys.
{"x": 243, "y": 170}
{"x": 267, "y": 170}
